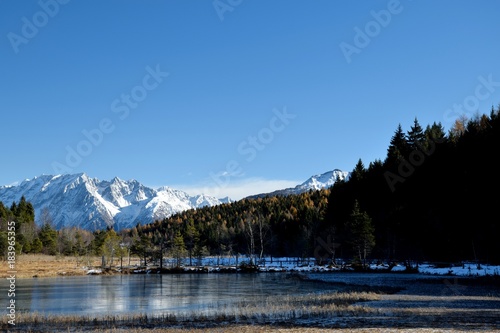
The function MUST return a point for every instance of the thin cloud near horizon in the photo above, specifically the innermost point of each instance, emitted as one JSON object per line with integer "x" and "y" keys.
{"x": 238, "y": 189}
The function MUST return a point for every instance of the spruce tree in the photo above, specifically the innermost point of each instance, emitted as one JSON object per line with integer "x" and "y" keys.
{"x": 48, "y": 237}
{"x": 435, "y": 132}
{"x": 3, "y": 213}
{"x": 360, "y": 233}
{"x": 4, "y": 244}
{"x": 415, "y": 136}
{"x": 359, "y": 172}
{"x": 398, "y": 149}
{"x": 36, "y": 246}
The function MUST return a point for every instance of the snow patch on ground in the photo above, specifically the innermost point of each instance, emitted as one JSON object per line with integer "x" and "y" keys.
{"x": 308, "y": 265}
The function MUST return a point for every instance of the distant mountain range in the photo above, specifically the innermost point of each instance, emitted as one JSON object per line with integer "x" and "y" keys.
{"x": 316, "y": 182}
{"x": 89, "y": 203}
{"x": 78, "y": 200}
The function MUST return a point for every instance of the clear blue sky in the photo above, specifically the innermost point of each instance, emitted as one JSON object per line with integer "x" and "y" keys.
{"x": 233, "y": 97}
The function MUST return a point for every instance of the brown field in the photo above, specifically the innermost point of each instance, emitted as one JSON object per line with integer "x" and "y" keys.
{"x": 39, "y": 265}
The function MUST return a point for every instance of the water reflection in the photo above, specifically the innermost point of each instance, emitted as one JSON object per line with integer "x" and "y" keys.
{"x": 95, "y": 295}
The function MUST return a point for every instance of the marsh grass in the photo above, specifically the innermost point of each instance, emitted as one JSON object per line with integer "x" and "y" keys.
{"x": 280, "y": 329}
{"x": 268, "y": 311}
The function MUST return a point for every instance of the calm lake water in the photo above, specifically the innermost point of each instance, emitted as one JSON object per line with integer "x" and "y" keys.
{"x": 151, "y": 294}
{"x": 178, "y": 293}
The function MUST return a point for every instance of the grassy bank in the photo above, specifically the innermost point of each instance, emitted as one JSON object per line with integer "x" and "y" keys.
{"x": 40, "y": 265}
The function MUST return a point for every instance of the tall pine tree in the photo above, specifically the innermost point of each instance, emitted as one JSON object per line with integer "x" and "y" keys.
{"x": 360, "y": 233}
{"x": 398, "y": 149}
{"x": 415, "y": 136}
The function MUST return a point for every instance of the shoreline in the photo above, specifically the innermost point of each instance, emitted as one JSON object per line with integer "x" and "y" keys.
{"x": 424, "y": 305}
{"x": 44, "y": 266}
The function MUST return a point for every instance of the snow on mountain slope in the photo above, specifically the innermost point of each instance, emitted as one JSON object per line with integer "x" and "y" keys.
{"x": 78, "y": 200}
{"x": 322, "y": 181}
{"x": 316, "y": 182}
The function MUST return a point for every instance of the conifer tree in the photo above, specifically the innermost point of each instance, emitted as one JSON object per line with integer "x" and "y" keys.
{"x": 360, "y": 232}
{"x": 4, "y": 244}
{"x": 141, "y": 246}
{"x": 13, "y": 208}
{"x": 160, "y": 240}
{"x": 435, "y": 132}
{"x": 48, "y": 237}
{"x": 415, "y": 136}
{"x": 398, "y": 148}
{"x": 178, "y": 248}
{"x": 359, "y": 172}
{"x": 3, "y": 213}
{"x": 36, "y": 246}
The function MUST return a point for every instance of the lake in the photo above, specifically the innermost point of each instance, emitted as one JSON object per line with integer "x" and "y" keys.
{"x": 152, "y": 294}
{"x": 179, "y": 293}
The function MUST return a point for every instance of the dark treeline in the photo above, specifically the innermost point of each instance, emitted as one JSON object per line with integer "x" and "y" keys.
{"x": 433, "y": 197}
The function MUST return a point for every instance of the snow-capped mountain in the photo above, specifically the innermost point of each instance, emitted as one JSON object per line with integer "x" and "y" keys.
{"x": 78, "y": 200}
{"x": 316, "y": 182}
{"x": 322, "y": 181}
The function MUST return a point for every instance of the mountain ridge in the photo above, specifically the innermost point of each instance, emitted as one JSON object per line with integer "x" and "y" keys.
{"x": 90, "y": 203}
{"x": 77, "y": 200}
{"x": 316, "y": 182}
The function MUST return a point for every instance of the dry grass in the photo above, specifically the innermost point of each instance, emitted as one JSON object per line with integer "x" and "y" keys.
{"x": 280, "y": 310}
{"x": 39, "y": 265}
{"x": 328, "y": 312}
{"x": 270, "y": 329}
